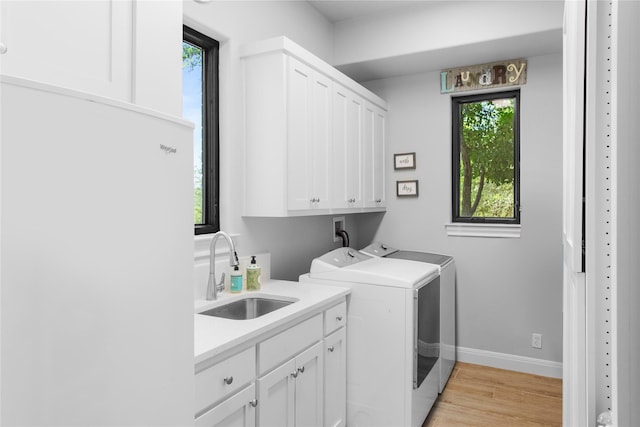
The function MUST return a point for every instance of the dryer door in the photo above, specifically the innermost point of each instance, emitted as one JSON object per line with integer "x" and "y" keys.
{"x": 426, "y": 320}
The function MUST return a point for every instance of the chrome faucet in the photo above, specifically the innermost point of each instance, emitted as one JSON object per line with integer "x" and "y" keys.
{"x": 212, "y": 287}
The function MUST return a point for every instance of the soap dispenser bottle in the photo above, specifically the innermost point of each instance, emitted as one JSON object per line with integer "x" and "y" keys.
{"x": 253, "y": 275}
{"x": 236, "y": 280}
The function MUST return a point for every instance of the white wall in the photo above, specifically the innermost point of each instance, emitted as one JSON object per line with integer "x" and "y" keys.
{"x": 507, "y": 288}
{"x": 293, "y": 242}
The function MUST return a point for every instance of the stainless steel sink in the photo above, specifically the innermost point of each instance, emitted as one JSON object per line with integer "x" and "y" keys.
{"x": 248, "y": 308}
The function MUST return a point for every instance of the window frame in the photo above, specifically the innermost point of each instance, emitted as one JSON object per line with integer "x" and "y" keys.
{"x": 210, "y": 131}
{"x": 456, "y": 102}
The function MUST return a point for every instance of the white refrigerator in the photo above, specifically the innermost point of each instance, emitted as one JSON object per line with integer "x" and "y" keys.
{"x": 96, "y": 225}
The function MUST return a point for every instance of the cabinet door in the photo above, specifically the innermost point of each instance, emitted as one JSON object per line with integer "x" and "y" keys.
{"x": 309, "y": 387}
{"x": 379, "y": 146}
{"x": 354, "y": 150}
{"x": 322, "y": 135}
{"x": 347, "y": 149}
{"x": 276, "y": 397}
{"x": 374, "y": 156}
{"x": 237, "y": 411}
{"x": 88, "y": 44}
{"x": 308, "y": 137}
{"x": 335, "y": 379}
{"x": 299, "y": 136}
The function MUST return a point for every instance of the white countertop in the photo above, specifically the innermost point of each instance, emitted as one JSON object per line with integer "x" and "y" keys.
{"x": 215, "y": 335}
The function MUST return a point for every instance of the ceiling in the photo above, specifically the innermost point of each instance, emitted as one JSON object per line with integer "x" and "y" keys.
{"x": 340, "y": 10}
{"x": 514, "y": 47}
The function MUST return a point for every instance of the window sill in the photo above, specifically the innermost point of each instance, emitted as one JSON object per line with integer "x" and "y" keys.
{"x": 509, "y": 231}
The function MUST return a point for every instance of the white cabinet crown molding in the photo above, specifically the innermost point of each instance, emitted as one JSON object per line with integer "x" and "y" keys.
{"x": 289, "y": 47}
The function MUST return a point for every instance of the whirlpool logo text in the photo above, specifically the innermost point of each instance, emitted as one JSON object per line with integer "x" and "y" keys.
{"x": 168, "y": 150}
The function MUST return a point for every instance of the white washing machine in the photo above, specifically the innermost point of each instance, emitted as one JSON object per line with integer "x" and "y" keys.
{"x": 447, "y": 269}
{"x": 393, "y": 332}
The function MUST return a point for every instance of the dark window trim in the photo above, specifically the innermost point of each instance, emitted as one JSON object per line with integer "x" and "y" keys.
{"x": 210, "y": 133}
{"x": 456, "y": 101}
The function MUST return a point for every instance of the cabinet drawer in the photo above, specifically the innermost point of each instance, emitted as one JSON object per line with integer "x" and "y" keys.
{"x": 335, "y": 318}
{"x": 224, "y": 378}
{"x": 289, "y": 343}
{"x": 240, "y": 408}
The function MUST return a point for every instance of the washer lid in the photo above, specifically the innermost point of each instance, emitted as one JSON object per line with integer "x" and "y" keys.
{"x": 377, "y": 271}
{"x": 430, "y": 258}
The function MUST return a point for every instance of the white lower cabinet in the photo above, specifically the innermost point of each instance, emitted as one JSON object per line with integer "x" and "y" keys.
{"x": 237, "y": 411}
{"x": 295, "y": 378}
{"x": 292, "y": 394}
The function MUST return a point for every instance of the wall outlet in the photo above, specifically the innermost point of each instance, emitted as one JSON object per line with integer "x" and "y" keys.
{"x": 536, "y": 340}
{"x": 338, "y": 224}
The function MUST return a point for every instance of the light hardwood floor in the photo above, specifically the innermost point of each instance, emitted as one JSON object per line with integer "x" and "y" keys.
{"x": 483, "y": 396}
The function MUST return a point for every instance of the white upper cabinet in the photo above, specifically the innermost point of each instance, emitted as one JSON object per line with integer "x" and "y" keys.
{"x": 82, "y": 45}
{"x": 305, "y": 133}
{"x": 89, "y": 46}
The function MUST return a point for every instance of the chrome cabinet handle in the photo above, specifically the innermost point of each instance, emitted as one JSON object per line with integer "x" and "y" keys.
{"x": 339, "y": 318}
{"x": 3, "y": 48}
{"x": 253, "y": 403}
{"x": 228, "y": 380}
{"x": 301, "y": 370}
{"x": 331, "y": 349}
{"x": 294, "y": 374}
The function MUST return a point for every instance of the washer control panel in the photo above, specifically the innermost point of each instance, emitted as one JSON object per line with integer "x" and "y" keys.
{"x": 338, "y": 258}
{"x": 378, "y": 249}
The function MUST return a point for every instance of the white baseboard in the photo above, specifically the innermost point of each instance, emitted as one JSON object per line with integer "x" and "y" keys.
{"x": 529, "y": 365}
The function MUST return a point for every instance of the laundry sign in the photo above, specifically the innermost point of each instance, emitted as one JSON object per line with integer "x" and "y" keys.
{"x": 484, "y": 76}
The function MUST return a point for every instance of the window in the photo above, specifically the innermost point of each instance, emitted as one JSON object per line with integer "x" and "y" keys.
{"x": 200, "y": 105}
{"x": 486, "y": 158}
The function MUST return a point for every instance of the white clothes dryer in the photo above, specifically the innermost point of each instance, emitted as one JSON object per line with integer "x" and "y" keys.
{"x": 446, "y": 265}
{"x": 392, "y": 335}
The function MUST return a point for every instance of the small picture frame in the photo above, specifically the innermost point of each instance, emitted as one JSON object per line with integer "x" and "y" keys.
{"x": 404, "y": 161}
{"x": 407, "y": 188}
